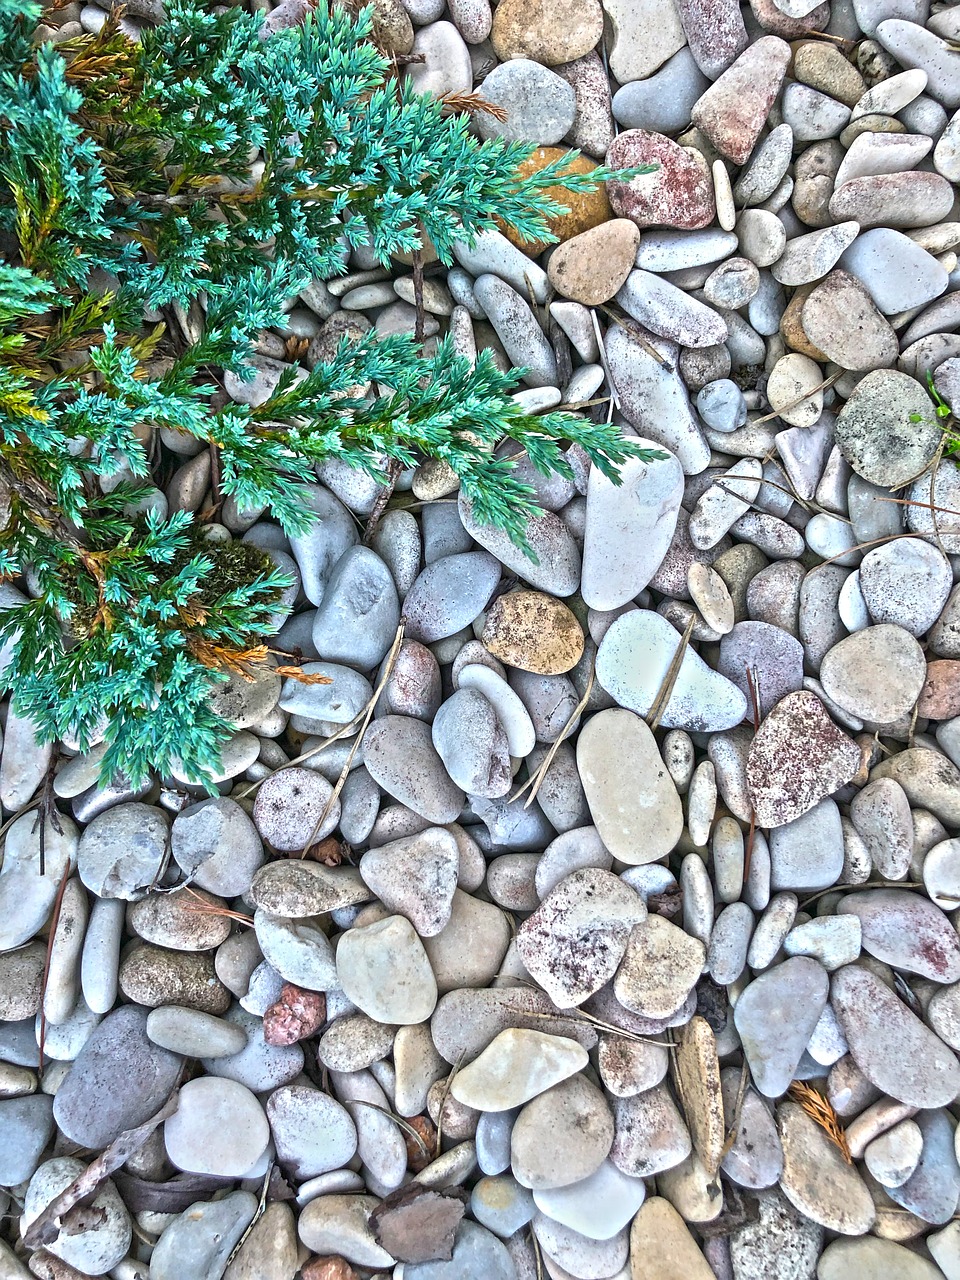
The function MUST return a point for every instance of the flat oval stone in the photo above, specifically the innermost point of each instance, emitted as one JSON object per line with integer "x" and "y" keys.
{"x": 775, "y": 1017}
{"x": 817, "y": 1180}
{"x": 598, "y": 1207}
{"x": 876, "y": 433}
{"x": 199, "y": 1241}
{"x": 400, "y": 756}
{"x": 466, "y": 1020}
{"x": 906, "y": 931}
{"x": 632, "y": 799}
{"x": 340, "y": 1224}
{"x": 666, "y": 310}
{"x": 516, "y": 1066}
{"x": 898, "y": 273}
{"x": 755, "y": 1160}
{"x": 90, "y": 1246}
{"x": 923, "y": 1072}
{"x": 313, "y": 1132}
{"x": 870, "y": 1258}
{"x": 119, "y": 1079}
{"x": 574, "y": 941}
{"x": 216, "y": 843}
{"x": 356, "y": 620}
{"x": 449, "y": 594}
{"x": 535, "y": 632}
{"x": 807, "y": 853}
{"x": 562, "y": 1136}
{"x": 174, "y": 920}
{"x": 906, "y": 582}
{"x": 629, "y": 528}
{"x": 632, "y": 663}
{"x": 797, "y": 758}
{"x": 557, "y": 566}
{"x": 654, "y": 397}
{"x": 218, "y": 1128}
{"x": 875, "y": 674}
{"x": 294, "y": 808}
{"x": 763, "y": 661}
{"x": 194, "y": 1034}
{"x": 122, "y": 850}
{"x": 152, "y": 976}
{"x": 547, "y": 33}
{"x": 384, "y": 970}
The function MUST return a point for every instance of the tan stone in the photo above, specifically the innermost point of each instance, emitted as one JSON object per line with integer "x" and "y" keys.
{"x": 584, "y": 209}
{"x": 817, "y": 1180}
{"x": 697, "y": 1074}
{"x": 840, "y": 318}
{"x": 535, "y": 632}
{"x": 661, "y": 1247}
{"x": 547, "y": 31}
{"x": 592, "y": 266}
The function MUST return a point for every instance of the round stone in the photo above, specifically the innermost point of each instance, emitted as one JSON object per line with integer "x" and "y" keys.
{"x": 551, "y": 33}
{"x": 313, "y": 1132}
{"x": 121, "y": 852}
{"x": 875, "y": 674}
{"x": 534, "y": 632}
{"x": 217, "y": 845}
{"x": 562, "y": 1136}
{"x": 218, "y": 1128}
{"x": 294, "y": 808}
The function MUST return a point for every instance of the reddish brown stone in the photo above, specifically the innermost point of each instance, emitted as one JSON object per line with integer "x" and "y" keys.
{"x": 798, "y": 757}
{"x": 679, "y": 193}
{"x": 420, "y": 1153}
{"x": 940, "y": 696}
{"x": 734, "y": 109}
{"x": 297, "y": 1015}
{"x": 328, "y": 1268}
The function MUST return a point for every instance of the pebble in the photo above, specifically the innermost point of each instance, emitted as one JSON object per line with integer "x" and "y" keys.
{"x": 99, "y": 1242}
{"x": 532, "y": 29}
{"x": 677, "y": 194}
{"x": 416, "y": 877}
{"x": 219, "y": 1128}
{"x": 449, "y": 594}
{"x": 923, "y": 1072}
{"x": 385, "y": 972}
{"x": 539, "y": 105}
{"x": 562, "y": 1136}
{"x": 798, "y": 757}
{"x": 199, "y": 1241}
{"x": 735, "y": 108}
{"x": 774, "y": 1039}
{"x": 632, "y": 662}
{"x": 118, "y": 1081}
{"x": 838, "y": 308}
{"x": 906, "y": 931}
{"x": 816, "y": 1179}
{"x": 659, "y": 969}
{"x": 533, "y": 631}
{"x": 400, "y": 756}
{"x": 662, "y": 102}
{"x": 875, "y": 432}
{"x": 637, "y": 812}
{"x": 587, "y": 903}
{"x": 896, "y": 669}
{"x": 516, "y": 1066}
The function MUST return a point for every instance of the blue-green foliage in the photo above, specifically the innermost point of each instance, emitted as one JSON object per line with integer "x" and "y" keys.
{"x": 125, "y": 183}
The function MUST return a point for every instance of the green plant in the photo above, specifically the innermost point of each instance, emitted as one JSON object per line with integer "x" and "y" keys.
{"x": 125, "y": 184}
{"x": 944, "y": 420}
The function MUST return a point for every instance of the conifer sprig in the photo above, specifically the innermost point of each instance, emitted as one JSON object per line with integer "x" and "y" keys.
{"x": 128, "y": 184}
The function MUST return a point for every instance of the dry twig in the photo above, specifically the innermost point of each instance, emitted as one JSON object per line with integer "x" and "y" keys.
{"x": 819, "y": 1109}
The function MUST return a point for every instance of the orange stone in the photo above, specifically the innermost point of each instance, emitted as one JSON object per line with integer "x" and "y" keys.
{"x": 584, "y": 209}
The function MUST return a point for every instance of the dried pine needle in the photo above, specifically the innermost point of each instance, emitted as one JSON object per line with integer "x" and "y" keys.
{"x": 819, "y": 1110}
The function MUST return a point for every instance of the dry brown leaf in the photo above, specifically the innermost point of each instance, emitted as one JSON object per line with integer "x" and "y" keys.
{"x": 819, "y": 1109}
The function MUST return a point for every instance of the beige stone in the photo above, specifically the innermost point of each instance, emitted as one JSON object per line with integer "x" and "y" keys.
{"x": 661, "y": 1247}
{"x": 591, "y": 267}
